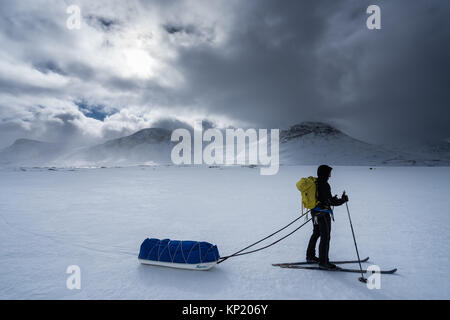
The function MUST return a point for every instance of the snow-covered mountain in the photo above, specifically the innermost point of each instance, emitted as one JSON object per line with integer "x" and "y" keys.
{"x": 147, "y": 146}
{"x": 306, "y": 143}
{"x": 315, "y": 142}
{"x": 29, "y": 152}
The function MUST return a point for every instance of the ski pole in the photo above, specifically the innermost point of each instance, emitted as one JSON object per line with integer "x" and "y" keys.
{"x": 362, "y": 279}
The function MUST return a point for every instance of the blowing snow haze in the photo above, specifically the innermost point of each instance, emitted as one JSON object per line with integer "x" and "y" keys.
{"x": 306, "y": 143}
{"x": 137, "y": 65}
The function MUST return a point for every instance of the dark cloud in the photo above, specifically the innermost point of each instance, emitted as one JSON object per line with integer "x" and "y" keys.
{"x": 270, "y": 68}
{"x": 404, "y": 88}
{"x": 103, "y": 23}
{"x": 266, "y": 63}
{"x": 173, "y": 28}
{"x": 299, "y": 60}
{"x": 171, "y": 124}
{"x": 80, "y": 70}
{"x": 49, "y": 66}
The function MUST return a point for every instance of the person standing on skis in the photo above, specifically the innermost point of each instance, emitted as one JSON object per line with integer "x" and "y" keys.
{"x": 321, "y": 217}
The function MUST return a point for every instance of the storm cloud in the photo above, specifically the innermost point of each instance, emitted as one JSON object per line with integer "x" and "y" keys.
{"x": 262, "y": 63}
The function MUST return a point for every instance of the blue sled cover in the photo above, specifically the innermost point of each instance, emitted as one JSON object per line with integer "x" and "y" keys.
{"x": 177, "y": 251}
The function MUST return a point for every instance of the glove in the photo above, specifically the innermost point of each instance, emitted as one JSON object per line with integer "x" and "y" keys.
{"x": 344, "y": 197}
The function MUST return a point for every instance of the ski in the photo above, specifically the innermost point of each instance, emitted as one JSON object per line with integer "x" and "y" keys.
{"x": 338, "y": 269}
{"x": 305, "y": 262}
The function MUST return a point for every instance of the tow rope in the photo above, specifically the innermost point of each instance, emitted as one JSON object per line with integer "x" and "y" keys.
{"x": 238, "y": 253}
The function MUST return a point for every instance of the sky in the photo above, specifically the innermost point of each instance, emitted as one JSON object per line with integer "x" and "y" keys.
{"x": 261, "y": 64}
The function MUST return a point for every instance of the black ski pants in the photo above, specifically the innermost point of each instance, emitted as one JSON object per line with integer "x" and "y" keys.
{"x": 322, "y": 229}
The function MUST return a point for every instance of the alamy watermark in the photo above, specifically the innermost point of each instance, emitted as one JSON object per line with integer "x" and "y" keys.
{"x": 373, "y": 22}
{"x": 244, "y": 147}
{"x": 73, "y": 22}
{"x": 374, "y": 279}
{"x": 74, "y": 280}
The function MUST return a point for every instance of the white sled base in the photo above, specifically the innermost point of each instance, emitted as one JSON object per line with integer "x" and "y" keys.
{"x": 188, "y": 266}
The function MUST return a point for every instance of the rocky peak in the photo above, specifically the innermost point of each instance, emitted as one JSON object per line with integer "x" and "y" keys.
{"x": 308, "y": 127}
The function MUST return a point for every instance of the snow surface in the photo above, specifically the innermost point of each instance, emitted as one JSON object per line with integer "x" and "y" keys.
{"x": 97, "y": 219}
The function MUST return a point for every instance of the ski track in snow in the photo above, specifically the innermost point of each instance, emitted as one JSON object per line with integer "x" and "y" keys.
{"x": 97, "y": 219}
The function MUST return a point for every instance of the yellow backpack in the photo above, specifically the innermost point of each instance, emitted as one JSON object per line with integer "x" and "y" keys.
{"x": 307, "y": 187}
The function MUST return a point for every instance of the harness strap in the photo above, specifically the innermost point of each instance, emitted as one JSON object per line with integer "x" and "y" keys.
{"x": 318, "y": 209}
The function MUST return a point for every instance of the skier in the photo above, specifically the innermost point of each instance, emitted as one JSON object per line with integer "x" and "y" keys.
{"x": 321, "y": 216}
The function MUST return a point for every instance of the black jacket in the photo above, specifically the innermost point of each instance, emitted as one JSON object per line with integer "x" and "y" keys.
{"x": 326, "y": 200}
